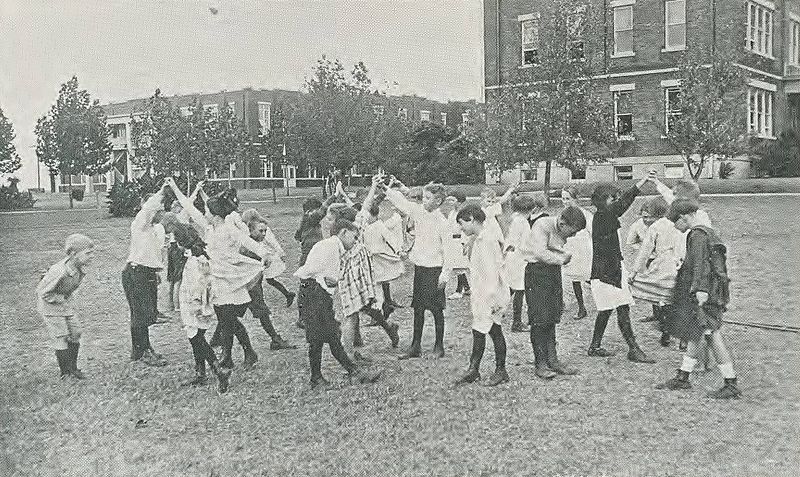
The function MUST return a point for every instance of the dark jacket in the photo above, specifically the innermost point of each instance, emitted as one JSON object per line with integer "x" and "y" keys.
{"x": 309, "y": 232}
{"x": 606, "y": 253}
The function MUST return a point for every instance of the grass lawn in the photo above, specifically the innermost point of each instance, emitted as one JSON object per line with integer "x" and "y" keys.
{"x": 128, "y": 419}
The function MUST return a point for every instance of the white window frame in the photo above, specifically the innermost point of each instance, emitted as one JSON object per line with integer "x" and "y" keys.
{"x": 760, "y": 27}
{"x": 667, "y": 25}
{"x": 232, "y": 105}
{"x": 620, "y": 8}
{"x": 670, "y": 87}
{"x": 186, "y": 111}
{"x": 267, "y": 169}
{"x": 760, "y": 108}
{"x": 424, "y": 115}
{"x": 794, "y": 40}
{"x": 443, "y": 116}
{"x": 465, "y": 116}
{"x": 532, "y": 20}
{"x": 616, "y": 91}
{"x": 575, "y": 23}
{"x": 670, "y": 168}
{"x": 378, "y": 109}
{"x": 402, "y": 113}
{"x": 264, "y": 120}
{"x": 617, "y": 172}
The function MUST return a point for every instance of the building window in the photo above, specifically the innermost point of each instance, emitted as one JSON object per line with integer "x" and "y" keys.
{"x": 529, "y": 175}
{"x": 402, "y": 113}
{"x": 673, "y": 171}
{"x": 623, "y": 114}
{"x": 675, "y": 25}
{"x": 622, "y": 173}
{"x": 623, "y": 31}
{"x": 211, "y": 109}
{"x": 264, "y": 117}
{"x": 794, "y": 43}
{"x": 186, "y": 111}
{"x": 444, "y": 119}
{"x": 529, "y": 28}
{"x": 759, "y": 29}
{"x": 424, "y": 115}
{"x": 118, "y": 131}
{"x": 232, "y": 105}
{"x": 465, "y": 116}
{"x": 672, "y": 108}
{"x": 311, "y": 172}
{"x": 266, "y": 167}
{"x": 378, "y": 109}
{"x": 759, "y": 111}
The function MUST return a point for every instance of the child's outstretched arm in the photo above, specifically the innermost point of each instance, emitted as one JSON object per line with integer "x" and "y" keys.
{"x": 187, "y": 203}
{"x": 622, "y": 204}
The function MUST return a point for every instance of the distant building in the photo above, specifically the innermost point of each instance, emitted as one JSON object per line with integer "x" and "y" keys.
{"x": 637, "y": 61}
{"x": 256, "y": 108}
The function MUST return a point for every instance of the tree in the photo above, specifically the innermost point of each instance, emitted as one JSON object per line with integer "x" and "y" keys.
{"x": 72, "y": 138}
{"x": 332, "y": 122}
{"x": 9, "y": 159}
{"x": 706, "y": 116}
{"x": 552, "y": 111}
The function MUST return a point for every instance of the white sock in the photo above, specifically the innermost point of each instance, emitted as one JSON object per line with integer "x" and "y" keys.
{"x": 688, "y": 364}
{"x": 726, "y": 369}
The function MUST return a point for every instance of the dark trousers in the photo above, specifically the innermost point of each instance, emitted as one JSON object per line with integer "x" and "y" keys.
{"x": 543, "y": 340}
{"x": 261, "y": 311}
{"x": 623, "y": 321}
{"x": 141, "y": 290}
{"x": 228, "y": 321}
{"x": 462, "y": 284}
{"x": 337, "y": 350}
{"x": 140, "y": 341}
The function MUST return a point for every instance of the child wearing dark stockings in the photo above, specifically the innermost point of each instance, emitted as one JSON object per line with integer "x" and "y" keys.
{"x": 323, "y": 269}
{"x": 54, "y": 299}
{"x": 432, "y": 267}
{"x": 579, "y": 269}
{"x": 609, "y": 277}
{"x": 543, "y": 250}
{"x": 197, "y": 312}
{"x": 489, "y": 299}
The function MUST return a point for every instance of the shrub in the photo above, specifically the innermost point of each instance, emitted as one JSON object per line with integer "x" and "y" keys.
{"x": 12, "y": 199}
{"x": 725, "y": 170}
{"x": 781, "y": 157}
{"x": 124, "y": 199}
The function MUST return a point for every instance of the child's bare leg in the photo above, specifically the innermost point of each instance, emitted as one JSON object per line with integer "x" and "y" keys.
{"x": 171, "y": 296}
{"x": 176, "y": 296}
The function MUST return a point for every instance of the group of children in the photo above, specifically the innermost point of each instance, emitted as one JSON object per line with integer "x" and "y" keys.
{"x": 504, "y": 250}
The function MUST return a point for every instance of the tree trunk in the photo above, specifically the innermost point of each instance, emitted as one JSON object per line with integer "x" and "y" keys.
{"x": 699, "y": 170}
{"x": 69, "y": 188}
{"x": 547, "y": 165}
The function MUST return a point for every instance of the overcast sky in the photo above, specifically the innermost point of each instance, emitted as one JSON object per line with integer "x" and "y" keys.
{"x": 125, "y": 49}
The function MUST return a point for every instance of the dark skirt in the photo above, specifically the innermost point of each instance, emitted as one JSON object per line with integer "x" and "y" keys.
{"x": 689, "y": 321}
{"x": 427, "y": 294}
{"x": 320, "y": 318}
{"x": 176, "y": 260}
{"x": 543, "y": 293}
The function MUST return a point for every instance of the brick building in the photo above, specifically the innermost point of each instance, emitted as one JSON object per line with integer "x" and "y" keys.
{"x": 256, "y": 109}
{"x": 635, "y": 57}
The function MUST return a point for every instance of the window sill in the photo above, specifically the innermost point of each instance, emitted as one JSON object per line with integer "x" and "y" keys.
{"x": 525, "y": 67}
{"x": 763, "y": 55}
{"x": 626, "y": 138}
{"x": 672, "y": 50}
{"x": 624, "y": 54}
{"x": 764, "y": 136}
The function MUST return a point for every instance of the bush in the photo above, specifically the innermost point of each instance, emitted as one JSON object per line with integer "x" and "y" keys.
{"x": 77, "y": 194}
{"x": 725, "y": 170}
{"x": 124, "y": 199}
{"x": 779, "y": 158}
{"x": 12, "y": 199}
